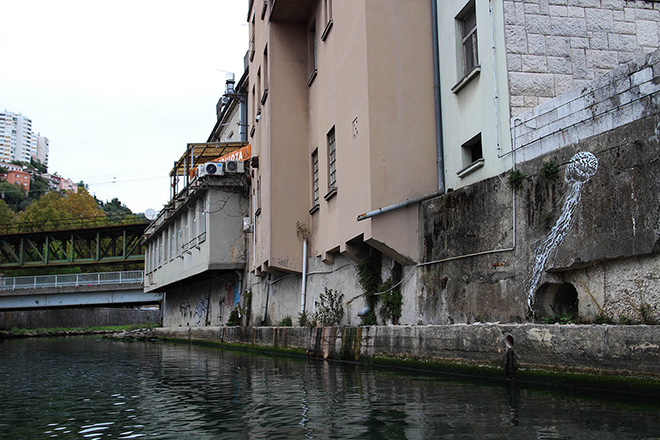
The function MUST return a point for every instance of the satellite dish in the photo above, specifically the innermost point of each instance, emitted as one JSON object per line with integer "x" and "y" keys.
{"x": 150, "y": 214}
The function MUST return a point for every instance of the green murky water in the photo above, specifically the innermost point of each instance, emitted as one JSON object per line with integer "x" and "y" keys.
{"x": 86, "y": 388}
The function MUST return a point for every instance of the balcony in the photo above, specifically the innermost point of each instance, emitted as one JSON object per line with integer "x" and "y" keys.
{"x": 295, "y": 11}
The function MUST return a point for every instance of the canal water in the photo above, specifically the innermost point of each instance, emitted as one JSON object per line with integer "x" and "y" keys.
{"x": 90, "y": 388}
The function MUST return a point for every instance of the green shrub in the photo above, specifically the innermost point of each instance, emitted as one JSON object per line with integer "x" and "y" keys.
{"x": 234, "y": 319}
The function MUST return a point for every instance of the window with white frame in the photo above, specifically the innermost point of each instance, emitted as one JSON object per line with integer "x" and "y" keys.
{"x": 315, "y": 178}
{"x": 467, "y": 21}
{"x": 473, "y": 156}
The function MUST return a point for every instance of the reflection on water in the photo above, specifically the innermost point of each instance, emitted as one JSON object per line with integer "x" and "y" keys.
{"x": 84, "y": 388}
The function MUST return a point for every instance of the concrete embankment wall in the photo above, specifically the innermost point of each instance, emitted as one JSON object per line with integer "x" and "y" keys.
{"x": 76, "y": 318}
{"x": 601, "y": 349}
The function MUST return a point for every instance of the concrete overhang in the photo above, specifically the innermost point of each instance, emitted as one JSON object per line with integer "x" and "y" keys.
{"x": 297, "y": 11}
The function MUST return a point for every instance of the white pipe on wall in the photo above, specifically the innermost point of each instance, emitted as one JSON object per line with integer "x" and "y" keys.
{"x": 304, "y": 277}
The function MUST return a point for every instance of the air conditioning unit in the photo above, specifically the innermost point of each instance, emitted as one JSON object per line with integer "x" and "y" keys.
{"x": 234, "y": 167}
{"x": 211, "y": 169}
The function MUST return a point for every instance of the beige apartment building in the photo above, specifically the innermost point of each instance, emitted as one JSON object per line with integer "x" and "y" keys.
{"x": 342, "y": 122}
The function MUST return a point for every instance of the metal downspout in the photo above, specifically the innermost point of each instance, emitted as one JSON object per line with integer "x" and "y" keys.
{"x": 438, "y": 103}
{"x": 304, "y": 277}
{"x": 269, "y": 286}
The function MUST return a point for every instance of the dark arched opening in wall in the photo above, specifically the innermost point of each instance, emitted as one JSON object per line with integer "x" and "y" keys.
{"x": 556, "y": 300}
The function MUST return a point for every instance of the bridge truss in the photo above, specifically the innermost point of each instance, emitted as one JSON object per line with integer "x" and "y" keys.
{"x": 73, "y": 247}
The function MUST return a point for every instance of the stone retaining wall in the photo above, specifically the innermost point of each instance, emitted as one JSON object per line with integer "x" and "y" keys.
{"x": 624, "y": 350}
{"x": 553, "y": 46}
{"x": 74, "y": 318}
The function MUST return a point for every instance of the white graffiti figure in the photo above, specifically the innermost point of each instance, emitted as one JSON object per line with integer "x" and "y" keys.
{"x": 578, "y": 171}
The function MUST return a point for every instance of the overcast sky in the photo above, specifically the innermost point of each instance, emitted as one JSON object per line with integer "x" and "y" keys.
{"x": 119, "y": 87}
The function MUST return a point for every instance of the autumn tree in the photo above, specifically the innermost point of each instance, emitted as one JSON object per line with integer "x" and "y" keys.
{"x": 55, "y": 207}
{"x": 12, "y": 194}
{"x": 7, "y": 215}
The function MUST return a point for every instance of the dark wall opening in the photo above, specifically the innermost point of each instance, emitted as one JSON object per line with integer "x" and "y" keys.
{"x": 556, "y": 299}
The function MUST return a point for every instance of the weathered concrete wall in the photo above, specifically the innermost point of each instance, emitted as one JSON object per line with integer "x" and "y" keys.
{"x": 627, "y": 350}
{"x": 78, "y": 317}
{"x": 552, "y": 245}
{"x": 555, "y": 45}
{"x": 285, "y": 298}
{"x": 207, "y": 301}
{"x": 609, "y": 253}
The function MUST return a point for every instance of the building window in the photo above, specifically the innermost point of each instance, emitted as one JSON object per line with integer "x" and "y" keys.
{"x": 312, "y": 58}
{"x": 202, "y": 220}
{"x": 259, "y": 88}
{"x": 179, "y": 236}
{"x": 473, "y": 156}
{"x": 265, "y": 77}
{"x": 193, "y": 226}
{"x": 468, "y": 25}
{"x": 315, "y": 179}
{"x": 327, "y": 10}
{"x": 173, "y": 242}
{"x": 258, "y": 196}
{"x": 332, "y": 164}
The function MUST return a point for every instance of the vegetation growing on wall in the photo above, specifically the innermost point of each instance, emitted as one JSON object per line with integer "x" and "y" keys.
{"x": 515, "y": 179}
{"x": 303, "y": 319}
{"x": 370, "y": 281}
{"x": 329, "y": 308}
{"x": 392, "y": 299}
{"x": 549, "y": 169}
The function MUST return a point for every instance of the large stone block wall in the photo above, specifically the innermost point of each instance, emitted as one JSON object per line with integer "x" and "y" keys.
{"x": 553, "y": 46}
{"x": 628, "y": 93}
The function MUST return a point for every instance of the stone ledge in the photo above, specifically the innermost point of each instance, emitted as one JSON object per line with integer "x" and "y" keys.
{"x": 629, "y": 351}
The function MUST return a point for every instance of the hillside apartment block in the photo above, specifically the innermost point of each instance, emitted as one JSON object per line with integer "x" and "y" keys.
{"x": 357, "y": 111}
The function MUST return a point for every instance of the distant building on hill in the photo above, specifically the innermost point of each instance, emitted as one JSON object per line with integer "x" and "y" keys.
{"x": 19, "y": 177}
{"x": 18, "y": 142}
{"x": 60, "y": 183}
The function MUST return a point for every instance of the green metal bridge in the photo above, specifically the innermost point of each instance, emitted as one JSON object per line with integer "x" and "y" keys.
{"x": 71, "y": 243}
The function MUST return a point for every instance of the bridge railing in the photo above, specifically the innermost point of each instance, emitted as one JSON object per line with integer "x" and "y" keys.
{"x": 72, "y": 280}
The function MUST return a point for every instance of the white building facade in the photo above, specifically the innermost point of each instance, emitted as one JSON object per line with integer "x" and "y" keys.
{"x": 18, "y": 141}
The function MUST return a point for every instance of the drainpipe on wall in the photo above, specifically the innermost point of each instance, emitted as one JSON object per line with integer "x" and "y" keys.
{"x": 304, "y": 277}
{"x": 268, "y": 288}
{"x": 438, "y": 107}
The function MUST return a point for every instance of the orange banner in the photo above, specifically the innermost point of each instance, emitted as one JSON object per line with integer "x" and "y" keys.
{"x": 241, "y": 154}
